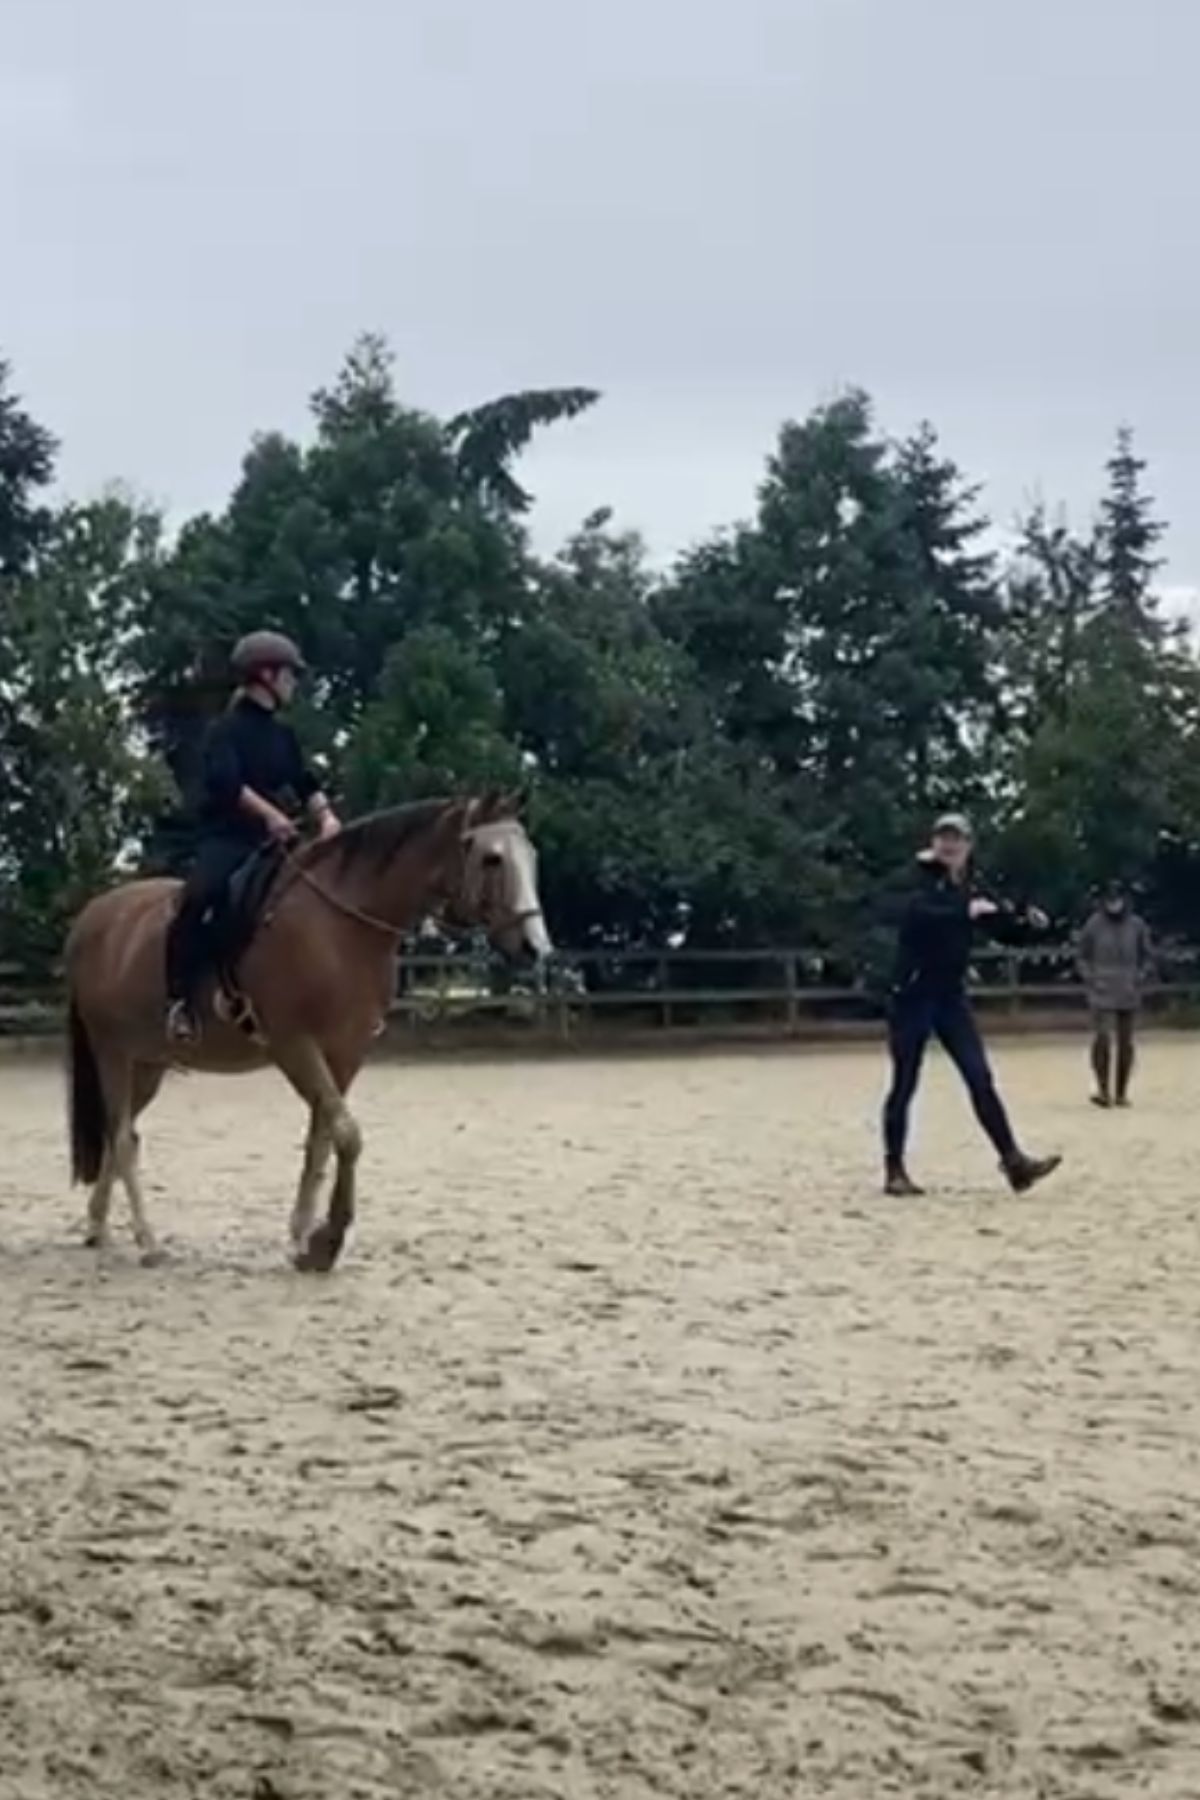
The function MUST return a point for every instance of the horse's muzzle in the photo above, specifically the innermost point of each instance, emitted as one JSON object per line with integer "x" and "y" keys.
{"x": 524, "y": 940}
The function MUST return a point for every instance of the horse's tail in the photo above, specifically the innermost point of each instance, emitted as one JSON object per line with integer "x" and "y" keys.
{"x": 89, "y": 1118}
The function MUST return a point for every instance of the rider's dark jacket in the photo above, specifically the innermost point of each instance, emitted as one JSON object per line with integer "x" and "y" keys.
{"x": 249, "y": 747}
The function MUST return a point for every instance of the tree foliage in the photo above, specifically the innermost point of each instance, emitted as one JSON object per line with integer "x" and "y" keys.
{"x": 735, "y": 750}
{"x": 77, "y": 787}
{"x": 488, "y": 440}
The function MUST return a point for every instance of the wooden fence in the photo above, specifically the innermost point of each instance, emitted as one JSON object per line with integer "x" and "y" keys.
{"x": 774, "y": 992}
{"x": 781, "y": 992}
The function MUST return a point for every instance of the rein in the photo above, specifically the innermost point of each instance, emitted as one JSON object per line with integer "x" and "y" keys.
{"x": 300, "y": 873}
{"x": 297, "y": 871}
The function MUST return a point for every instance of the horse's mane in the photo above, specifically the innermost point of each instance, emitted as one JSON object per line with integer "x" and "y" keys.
{"x": 378, "y": 837}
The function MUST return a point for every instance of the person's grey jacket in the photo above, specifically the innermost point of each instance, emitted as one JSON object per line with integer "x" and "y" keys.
{"x": 1115, "y": 960}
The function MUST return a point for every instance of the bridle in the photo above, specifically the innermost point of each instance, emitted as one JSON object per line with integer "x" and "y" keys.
{"x": 295, "y": 870}
{"x": 492, "y": 922}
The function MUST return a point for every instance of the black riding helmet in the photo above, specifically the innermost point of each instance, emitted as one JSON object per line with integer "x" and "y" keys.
{"x": 261, "y": 650}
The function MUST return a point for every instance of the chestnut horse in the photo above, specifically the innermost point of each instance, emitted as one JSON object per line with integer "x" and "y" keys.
{"x": 318, "y": 975}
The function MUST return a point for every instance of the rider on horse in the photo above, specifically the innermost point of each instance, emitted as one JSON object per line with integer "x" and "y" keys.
{"x": 253, "y": 774}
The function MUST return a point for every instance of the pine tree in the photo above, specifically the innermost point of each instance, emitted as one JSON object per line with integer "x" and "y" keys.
{"x": 27, "y": 453}
{"x": 1104, "y": 698}
{"x": 1051, "y": 599}
{"x": 948, "y": 617}
{"x": 1126, "y": 537}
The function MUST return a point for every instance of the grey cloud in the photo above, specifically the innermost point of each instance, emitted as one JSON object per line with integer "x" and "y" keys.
{"x": 717, "y": 210}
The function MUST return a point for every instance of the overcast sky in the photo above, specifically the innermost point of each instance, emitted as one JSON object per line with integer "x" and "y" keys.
{"x": 717, "y": 211}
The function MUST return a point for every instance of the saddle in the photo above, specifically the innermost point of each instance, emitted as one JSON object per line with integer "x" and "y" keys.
{"x": 233, "y": 927}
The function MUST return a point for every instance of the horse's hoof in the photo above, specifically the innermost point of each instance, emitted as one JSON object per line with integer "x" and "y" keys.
{"x": 154, "y": 1259}
{"x": 309, "y": 1263}
{"x": 313, "y": 1262}
{"x": 96, "y": 1240}
{"x": 318, "y": 1256}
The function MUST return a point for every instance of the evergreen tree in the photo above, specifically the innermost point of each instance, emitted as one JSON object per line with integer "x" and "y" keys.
{"x": 1127, "y": 536}
{"x": 947, "y": 632}
{"x": 1050, "y": 600}
{"x": 735, "y": 752}
{"x": 434, "y": 726}
{"x": 77, "y": 788}
{"x": 849, "y": 635}
{"x": 1103, "y": 701}
{"x": 27, "y": 452}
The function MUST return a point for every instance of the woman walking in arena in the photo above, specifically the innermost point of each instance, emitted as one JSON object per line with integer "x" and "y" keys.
{"x": 929, "y": 999}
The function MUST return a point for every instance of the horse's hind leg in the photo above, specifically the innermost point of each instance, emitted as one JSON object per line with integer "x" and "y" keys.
{"x": 99, "y": 1201}
{"x": 125, "y": 1152}
{"x": 146, "y": 1081}
{"x": 128, "y": 1092}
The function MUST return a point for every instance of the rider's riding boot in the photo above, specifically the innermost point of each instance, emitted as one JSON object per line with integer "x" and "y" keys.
{"x": 1023, "y": 1171}
{"x": 899, "y": 1183}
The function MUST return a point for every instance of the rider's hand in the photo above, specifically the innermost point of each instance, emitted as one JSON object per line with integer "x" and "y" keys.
{"x": 1038, "y": 919}
{"x": 281, "y": 828}
{"x": 981, "y": 908}
{"x": 328, "y": 825}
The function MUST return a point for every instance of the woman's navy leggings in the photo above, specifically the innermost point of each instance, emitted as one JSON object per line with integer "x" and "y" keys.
{"x": 915, "y": 1018}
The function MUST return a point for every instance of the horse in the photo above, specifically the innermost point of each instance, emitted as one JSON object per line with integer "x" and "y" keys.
{"x": 318, "y": 976}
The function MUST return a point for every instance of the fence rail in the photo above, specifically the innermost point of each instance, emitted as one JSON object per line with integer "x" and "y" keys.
{"x": 783, "y": 992}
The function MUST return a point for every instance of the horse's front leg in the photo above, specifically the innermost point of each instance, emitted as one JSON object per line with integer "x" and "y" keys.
{"x": 327, "y": 1240}
{"x": 317, "y": 1150}
{"x": 333, "y": 1124}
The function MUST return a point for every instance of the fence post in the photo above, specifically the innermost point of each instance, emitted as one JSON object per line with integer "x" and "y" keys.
{"x": 790, "y": 984}
{"x": 664, "y": 979}
{"x": 1014, "y": 982}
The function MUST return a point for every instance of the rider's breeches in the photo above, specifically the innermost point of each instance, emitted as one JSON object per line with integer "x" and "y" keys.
{"x": 187, "y": 960}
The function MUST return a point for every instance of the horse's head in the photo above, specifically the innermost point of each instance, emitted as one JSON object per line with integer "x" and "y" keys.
{"x": 498, "y": 886}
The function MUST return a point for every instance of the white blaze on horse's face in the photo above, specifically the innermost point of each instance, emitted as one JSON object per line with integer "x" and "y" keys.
{"x": 502, "y": 884}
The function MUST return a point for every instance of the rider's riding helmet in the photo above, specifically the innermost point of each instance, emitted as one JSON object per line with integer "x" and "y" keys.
{"x": 262, "y": 650}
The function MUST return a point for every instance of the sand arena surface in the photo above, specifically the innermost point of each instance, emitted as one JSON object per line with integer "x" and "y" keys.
{"x": 637, "y": 1448}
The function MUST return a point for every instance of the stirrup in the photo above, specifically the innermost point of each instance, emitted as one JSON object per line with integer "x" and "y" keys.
{"x": 181, "y": 1023}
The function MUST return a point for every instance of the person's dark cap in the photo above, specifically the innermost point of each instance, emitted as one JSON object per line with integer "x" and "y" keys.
{"x": 955, "y": 822}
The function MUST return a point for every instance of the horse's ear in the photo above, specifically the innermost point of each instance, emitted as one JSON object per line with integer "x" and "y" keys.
{"x": 452, "y": 826}
{"x": 512, "y": 805}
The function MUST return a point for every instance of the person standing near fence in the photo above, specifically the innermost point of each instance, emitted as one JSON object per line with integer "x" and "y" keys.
{"x": 1115, "y": 958}
{"x": 929, "y": 999}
